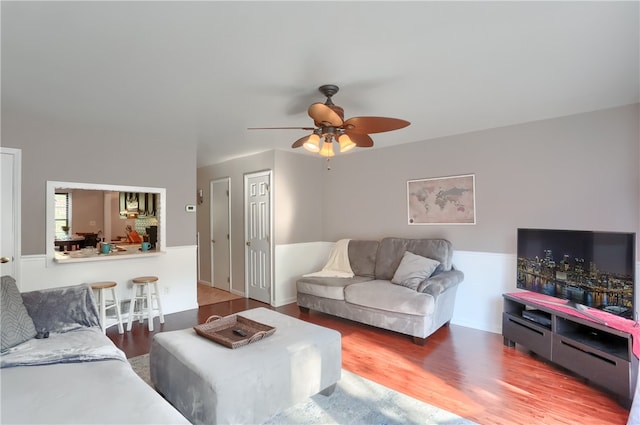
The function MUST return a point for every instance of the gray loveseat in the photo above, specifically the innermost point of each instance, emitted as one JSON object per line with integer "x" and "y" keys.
{"x": 416, "y": 306}
{"x": 76, "y": 374}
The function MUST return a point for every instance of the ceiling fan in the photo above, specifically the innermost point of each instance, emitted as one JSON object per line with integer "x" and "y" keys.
{"x": 330, "y": 126}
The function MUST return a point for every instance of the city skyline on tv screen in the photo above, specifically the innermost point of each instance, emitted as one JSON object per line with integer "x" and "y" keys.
{"x": 596, "y": 269}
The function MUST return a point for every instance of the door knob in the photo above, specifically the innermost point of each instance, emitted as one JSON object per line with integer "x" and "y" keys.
{"x": 4, "y": 259}
{"x": 248, "y": 243}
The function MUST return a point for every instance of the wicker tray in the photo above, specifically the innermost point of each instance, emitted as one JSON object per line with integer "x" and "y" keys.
{"x": 221, "y": 330}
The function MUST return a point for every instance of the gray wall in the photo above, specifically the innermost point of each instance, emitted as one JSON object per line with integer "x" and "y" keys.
{"x": 299, "y": 187}
{"x": 576, "y": 172}
{"x": 65, "y": 152}
{"x": 297, "y": 204}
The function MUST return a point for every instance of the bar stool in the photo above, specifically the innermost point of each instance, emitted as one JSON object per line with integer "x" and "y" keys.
{"x": 145, "y": 291}
{"x": 100, "y": 290}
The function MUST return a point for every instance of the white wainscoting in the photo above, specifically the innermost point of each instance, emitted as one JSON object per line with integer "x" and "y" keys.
{"x": 291, "y": 262}
{"x": 176, "y": 270}
{"x": 479, "y": 299}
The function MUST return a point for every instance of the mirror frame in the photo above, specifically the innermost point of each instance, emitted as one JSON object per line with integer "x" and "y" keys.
{"x": 52, "y": 186}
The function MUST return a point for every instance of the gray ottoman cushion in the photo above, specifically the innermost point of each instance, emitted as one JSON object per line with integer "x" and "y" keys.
{"x": 210, "y": 383}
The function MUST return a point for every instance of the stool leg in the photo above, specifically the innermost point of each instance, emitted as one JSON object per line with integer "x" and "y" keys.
{"x": 132, "y": 305}
{"x": 103, "y": 311}
{"x": 149, "y": 308}
{"x": 117, "y": 306}
{"x": 157, "y": 292}
{"x": 141, "y": 296}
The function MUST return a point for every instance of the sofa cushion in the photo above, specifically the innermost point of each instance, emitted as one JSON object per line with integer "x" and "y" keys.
{"x": 384, "y": 295}
{"x": 362, "y": 256}
{"x": 327, "y": 287}
{"x": 413, "y": 270}
{"x": 17, "y": 326}
{"x": 391, "y": 251}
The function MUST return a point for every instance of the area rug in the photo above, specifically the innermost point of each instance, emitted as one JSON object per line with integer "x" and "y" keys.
{"x": 356, "y": 400}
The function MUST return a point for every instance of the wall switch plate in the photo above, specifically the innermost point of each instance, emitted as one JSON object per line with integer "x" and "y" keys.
{"x": 190, "y": 208}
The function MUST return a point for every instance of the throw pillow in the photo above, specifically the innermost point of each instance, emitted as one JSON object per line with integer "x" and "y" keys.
{"x": 17, "y": 325}
{"x": 413, "y": 269}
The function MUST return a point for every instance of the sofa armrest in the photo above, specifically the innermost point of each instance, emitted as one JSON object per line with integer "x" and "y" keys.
{"x": 62, "y": 309}
{"x": 439, "y": 283}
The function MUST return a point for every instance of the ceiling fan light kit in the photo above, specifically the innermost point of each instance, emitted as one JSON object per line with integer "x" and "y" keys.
{"x": 345, "y": 142}
{"x": 327, "y": 150}
{"x": 330, "y": 127}
{"x": 312, "y": 143}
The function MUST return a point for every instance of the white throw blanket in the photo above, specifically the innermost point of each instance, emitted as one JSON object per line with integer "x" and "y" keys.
{"x": 338, "y": 264}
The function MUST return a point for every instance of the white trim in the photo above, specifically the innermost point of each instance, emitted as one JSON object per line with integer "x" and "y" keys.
{"x": 17, "y": 209}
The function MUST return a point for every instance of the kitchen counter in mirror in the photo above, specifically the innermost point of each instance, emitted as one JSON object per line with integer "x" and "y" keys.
{"x": 122, "y": 252}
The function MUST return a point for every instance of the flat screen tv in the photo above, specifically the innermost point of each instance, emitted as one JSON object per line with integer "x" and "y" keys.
{"x": 588, "y": 268}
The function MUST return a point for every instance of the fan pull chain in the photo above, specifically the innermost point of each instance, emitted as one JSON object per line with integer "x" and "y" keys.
{"x": 328, "y": 164}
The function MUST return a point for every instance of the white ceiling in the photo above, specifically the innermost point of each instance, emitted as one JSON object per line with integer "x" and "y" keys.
{"x": 203, "y": 72}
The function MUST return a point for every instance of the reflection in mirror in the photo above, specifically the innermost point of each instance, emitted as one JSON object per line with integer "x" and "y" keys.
{"x": 89, "y": 221}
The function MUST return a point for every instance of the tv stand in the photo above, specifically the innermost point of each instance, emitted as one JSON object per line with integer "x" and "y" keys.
{"x": 595, "y": 351}
{"x": 582, "y": 309}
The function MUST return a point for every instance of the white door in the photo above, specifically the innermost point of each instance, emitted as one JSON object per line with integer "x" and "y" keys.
{"x": 10, "y": 212}
{"x": 257, "y": 193}
{"x": 220, "y": 234}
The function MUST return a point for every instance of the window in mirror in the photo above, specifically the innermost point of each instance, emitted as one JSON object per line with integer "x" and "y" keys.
{"x": 103, "y": 221}
{"x": 62, "y": 214}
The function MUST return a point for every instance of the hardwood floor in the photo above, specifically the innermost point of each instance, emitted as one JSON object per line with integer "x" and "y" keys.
{"x": 462, "y": 370}
{"x": 209, "y": 295}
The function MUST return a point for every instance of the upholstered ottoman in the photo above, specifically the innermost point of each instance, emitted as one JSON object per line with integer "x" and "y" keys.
{"x": 210, "y": 383}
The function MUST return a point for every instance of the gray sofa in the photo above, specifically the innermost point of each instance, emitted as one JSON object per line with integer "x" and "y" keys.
{"x": 416, "y": 306}
{"x": 76, "y": 374}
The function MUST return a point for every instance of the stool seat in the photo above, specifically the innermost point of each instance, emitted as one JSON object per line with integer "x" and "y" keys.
{"x": 145, "y": 279}
{"x": 99, "y": 289}
{"x": 144, "y": 293}
{"x": 103, "y": 285}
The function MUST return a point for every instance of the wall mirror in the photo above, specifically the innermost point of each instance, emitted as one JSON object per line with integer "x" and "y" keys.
{"x": 94, "y": 222}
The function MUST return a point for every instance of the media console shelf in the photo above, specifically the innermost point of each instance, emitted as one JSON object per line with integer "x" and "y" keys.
{"x": 601, "y": 354}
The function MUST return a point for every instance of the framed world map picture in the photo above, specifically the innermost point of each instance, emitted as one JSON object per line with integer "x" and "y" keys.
{"x": 442, "y": 200}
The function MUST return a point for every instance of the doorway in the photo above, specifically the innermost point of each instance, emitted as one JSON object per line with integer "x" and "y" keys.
{"x": 10, "y": 190}
{"x": 220, "y": 233}
{"x": 258, "y": 229}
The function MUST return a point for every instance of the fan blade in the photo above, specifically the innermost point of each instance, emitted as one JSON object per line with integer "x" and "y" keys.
{"x": 360, "y": 139}
{"x": 300, "y": 141}
{"x": 322, "y": 114}
{"x": 282, "y": 128}
{"x": 369, "y": 125}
